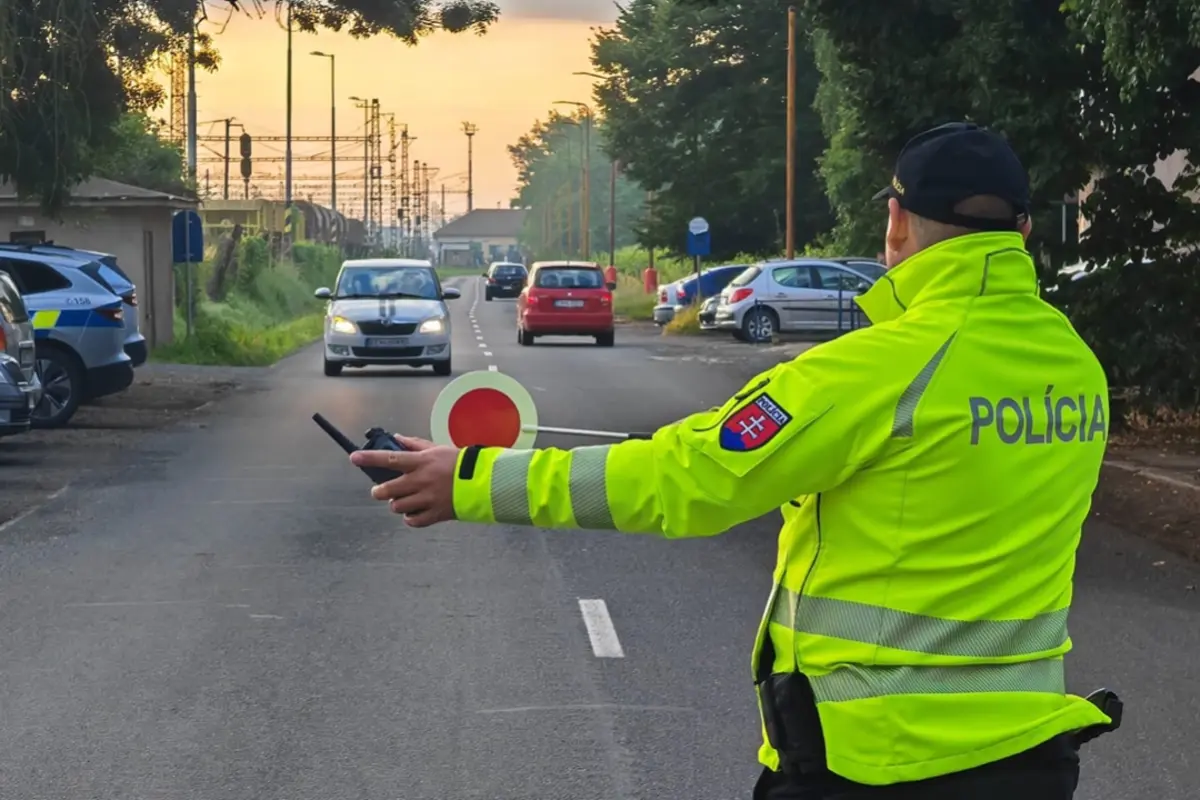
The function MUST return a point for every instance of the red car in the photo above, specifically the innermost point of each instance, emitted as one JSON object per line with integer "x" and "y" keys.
{"x": 565, "y": 298}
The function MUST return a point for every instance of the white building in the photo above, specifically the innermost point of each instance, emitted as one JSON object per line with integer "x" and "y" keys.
{"x": 480, "y": 237}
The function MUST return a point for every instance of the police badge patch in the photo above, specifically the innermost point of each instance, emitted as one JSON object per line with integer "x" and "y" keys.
{"x": 754, "y": 425}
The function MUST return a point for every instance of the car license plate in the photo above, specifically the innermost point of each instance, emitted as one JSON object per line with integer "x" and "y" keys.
{"x": 568, "y": 303}
{"x": 395, "y": 341}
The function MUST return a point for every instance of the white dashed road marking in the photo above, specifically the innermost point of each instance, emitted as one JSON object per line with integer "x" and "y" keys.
{"x": 603, "y": 635}
{"x": 493, "y": 368}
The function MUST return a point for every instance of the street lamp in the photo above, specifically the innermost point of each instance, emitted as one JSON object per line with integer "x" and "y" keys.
{"x": 366, "y": 106}
{"x": 612, "y": 191}
{"x": 586, "y": 210}
{"x": 332, "y": 130}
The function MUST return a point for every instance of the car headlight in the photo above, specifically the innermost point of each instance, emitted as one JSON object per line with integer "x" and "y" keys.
{"x": 435, "y": 325}
{"x": 342, "y": 325}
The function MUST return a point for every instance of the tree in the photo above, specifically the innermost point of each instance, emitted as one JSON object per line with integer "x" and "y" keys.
{"x": 140, "y": 157}
{"x": 549, "y": 180}
{"x": 695, "y": 101}
{"x": 889, "y": 71}
{"x": 67, "y": 70}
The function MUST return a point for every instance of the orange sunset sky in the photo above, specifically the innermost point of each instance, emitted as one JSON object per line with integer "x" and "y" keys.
{"x": 503, "y": 82}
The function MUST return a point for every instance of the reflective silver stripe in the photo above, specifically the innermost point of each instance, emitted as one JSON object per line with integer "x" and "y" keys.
{"x": 900, "y": 630}
{"x": 860, "y": 683}
{"x": 510, "y": 487}
{"x": 589, "y": 488}
{"x": 906, "y": 408}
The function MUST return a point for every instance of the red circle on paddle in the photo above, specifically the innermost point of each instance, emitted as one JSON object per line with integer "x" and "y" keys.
{"x": 485, "y": 417}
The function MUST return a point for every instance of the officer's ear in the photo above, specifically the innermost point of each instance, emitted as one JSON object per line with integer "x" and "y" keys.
{"x": 898, "y": 241}
{"x": 1025, "y": 225}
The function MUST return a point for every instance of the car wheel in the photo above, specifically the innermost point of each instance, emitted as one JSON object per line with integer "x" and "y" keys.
{"x": 606, "y": 339}
{"x": 442, "y": 368}
{"x": 62, "y": 377}
{"x": 332, "y": 368}
{"x": 487, "y": 296}
{"x": 759, "y": 325}
{"x": 524, "y": 337}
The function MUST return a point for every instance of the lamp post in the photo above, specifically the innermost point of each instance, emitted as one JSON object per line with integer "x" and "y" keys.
{"x": 287, "y": 152}
{"x": 366, "y": 106}
{"x": 612, "y": 191}
{"x": 586, "y": 211}
{"x": 332, "y": 130}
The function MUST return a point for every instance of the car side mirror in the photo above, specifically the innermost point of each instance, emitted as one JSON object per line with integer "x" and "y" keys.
{"x": 611, "y": 286}
{"x": 451, "y": 293}
{"x": 484, "y": 274}
{"x": 323, "y": 293}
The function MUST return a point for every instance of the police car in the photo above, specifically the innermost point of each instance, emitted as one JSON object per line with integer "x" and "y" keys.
{"x": 104, "y": 269}
{"x": 79, "y": 332}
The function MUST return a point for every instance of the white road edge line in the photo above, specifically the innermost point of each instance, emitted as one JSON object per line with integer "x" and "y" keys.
{"x": 603, "y": 635}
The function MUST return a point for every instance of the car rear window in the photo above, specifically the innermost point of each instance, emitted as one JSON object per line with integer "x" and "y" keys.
{"x": 506, "y": 272}
{"x": 569, "y": 278}
{"x": 747, "y": 276}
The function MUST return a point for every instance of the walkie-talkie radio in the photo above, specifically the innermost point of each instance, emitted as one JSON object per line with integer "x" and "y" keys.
{"x": 377, "y": 439}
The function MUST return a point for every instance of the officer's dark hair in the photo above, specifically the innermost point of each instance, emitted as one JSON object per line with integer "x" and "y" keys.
{"x": 927, "y": 232}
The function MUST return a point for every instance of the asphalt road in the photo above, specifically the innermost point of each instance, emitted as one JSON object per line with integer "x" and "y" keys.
{"x": 229, "y": 617}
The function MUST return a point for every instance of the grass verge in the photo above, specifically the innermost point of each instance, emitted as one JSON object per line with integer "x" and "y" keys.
{"x": 686, "y": 321}
{"x": 267, "y": 311}
{"x": 630, "y": 300}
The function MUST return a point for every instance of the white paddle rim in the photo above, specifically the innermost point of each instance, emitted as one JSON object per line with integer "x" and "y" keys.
{"x": 510, "y": 387}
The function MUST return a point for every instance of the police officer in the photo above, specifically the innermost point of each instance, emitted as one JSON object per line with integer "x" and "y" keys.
{"x": 933, "y": 470}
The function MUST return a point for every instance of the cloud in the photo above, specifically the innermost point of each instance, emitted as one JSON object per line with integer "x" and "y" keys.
{"x": 580, "y": 10}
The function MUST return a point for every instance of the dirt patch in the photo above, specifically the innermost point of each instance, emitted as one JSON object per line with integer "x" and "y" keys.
{"x": 1168, "y": 514}
{"x": 36, "y": 464}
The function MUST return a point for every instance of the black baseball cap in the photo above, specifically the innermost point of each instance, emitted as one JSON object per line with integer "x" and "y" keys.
{"x": 943, "y": 166}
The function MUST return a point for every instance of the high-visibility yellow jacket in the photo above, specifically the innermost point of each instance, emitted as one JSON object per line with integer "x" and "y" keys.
{"x": 934, "y": 471}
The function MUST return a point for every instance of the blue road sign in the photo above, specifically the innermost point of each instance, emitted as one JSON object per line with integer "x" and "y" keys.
{"x": 187, "y": 237}
{"x": 699, "y": 244}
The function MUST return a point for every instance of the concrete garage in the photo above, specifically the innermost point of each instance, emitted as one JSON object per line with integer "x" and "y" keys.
{"x": 133, "y": 224}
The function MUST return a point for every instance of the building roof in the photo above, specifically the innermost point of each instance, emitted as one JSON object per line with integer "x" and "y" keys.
{"x": 485, "y": 223}
{"x": 102, "y": 191}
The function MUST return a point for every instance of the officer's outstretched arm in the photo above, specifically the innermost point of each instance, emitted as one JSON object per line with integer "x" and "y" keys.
{"x": 800, "y": 428}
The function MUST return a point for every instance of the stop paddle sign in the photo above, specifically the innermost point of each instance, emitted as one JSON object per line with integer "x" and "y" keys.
{"x": 489, "y": 409}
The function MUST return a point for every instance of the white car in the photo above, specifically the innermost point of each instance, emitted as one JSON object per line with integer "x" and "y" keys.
{"x": 807, "y": 294}
{"x": 387, "y": 311}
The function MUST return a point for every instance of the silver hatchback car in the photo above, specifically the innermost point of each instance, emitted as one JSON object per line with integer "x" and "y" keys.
{"x": 806, "y": 294}
{"x": 387, "y": 311}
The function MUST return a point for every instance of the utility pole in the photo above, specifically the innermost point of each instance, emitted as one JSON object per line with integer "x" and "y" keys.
{"x": 287, "y": 153}
{"x": 790, "y": 235}
{"x": 612, "y": 215}
{"x": 332, "y": 130}
{"x": 442, "y": 215}
{"x": 191, "y": 97}
{"x": 228, "y": 126}
{"x": 470, "y": 129}
{"x": 366, "y": 107}
{"x": 405, "y": 208}
{"x": 391, "y": 159}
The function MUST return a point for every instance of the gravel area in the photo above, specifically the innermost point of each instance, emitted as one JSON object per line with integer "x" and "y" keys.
{"x": 37, "y": 464}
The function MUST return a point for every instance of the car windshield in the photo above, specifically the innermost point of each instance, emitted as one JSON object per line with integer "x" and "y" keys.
{"x": 416, "y": 282}
{"x": 748, "y": 275}
{"x": 569, "y": 278}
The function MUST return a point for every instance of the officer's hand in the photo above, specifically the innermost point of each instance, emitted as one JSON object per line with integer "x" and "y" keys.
{"x": 425, "y": 493}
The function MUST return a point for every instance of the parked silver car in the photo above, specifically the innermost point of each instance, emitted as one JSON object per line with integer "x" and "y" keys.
{"x": 105, "y": 270}
{"x": 19, "y": 387}
{"x": 805, "y": 294}
{"x": 79, "y": 333}
{"x": 387, "y": 311}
